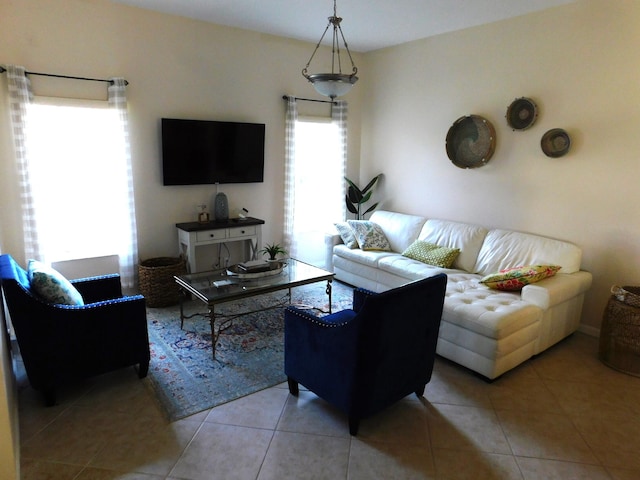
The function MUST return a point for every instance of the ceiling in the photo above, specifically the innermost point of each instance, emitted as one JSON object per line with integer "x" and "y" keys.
{"x": 367, "y": 24}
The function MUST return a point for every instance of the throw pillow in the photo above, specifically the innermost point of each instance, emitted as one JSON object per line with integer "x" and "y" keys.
{"x": 369, "y": 235}
{"x": 431, "y": 254}
{"x": 346, "y": 233}
{"x": 51, "y": 285}
{"x": 513, "y": 279}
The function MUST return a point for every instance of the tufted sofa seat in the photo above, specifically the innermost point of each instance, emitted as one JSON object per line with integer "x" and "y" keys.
{"x": 489, "y": 331}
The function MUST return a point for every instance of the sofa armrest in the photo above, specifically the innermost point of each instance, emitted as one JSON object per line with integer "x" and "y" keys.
{"x": 557, "y": 289}
{"x": 330, "y": 241}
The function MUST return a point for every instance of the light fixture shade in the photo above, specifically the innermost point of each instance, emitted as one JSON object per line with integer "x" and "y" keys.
{"x": 336, "y": 83}
{"x": 332, "y": 84}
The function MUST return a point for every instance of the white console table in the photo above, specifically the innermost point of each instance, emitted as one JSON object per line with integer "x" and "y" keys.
{"x": 192, "y": 235}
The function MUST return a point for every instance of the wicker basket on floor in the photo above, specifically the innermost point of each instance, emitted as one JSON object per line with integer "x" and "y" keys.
{"x": 156, "y": 280}
{"x": 620, "y": 337}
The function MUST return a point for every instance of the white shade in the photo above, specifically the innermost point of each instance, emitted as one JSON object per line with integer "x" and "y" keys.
{"x": 332, "y": 84}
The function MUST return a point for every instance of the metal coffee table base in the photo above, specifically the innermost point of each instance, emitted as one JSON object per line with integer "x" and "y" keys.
{"x": 226, "y": 321}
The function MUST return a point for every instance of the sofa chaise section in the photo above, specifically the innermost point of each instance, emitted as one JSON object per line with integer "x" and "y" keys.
{"x": 489, "y": 331}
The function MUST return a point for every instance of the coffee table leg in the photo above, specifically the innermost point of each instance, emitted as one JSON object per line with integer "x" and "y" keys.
{"x": 214, "y": 334}
{"x": 329, "y": 287}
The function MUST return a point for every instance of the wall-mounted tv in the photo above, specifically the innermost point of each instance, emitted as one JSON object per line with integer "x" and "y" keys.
{"x": 198, "y": 152}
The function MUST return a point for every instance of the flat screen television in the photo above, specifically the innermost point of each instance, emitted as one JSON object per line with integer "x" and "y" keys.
{"x": 200, "y": 152}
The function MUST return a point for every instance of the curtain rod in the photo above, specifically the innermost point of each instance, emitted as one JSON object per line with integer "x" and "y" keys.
{"x": 285, "y": 97}
{"x": 2, "y": 70}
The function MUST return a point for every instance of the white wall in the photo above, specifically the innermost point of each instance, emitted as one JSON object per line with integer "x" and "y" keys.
{"x": 579, "y": 63}
{"x": 176, "y": 68}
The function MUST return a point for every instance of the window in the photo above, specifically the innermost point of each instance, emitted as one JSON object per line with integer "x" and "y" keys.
{"x": 319, "y": 185}
{"x": 78, "y": 173}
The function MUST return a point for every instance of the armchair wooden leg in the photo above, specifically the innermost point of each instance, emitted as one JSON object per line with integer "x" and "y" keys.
{"x": 143, "y": 369}
{"x": 420, "y": 391}
{"x": 293, "y": 386}
{"x": 49, "y": 395}
{"x": 354, "y": 424}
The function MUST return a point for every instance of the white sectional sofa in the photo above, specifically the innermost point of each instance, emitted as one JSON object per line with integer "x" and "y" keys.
{"x": 486, "y": 330}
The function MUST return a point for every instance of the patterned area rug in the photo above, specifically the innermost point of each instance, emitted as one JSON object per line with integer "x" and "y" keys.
{"x": 249, "y": 356}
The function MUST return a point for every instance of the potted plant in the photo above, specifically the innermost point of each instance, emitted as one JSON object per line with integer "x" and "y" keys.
{"x": 355, "y": 197}
{"x": 273, "y": 251}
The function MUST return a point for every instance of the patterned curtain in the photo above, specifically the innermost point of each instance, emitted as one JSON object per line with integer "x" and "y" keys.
{"x": 129, "y": 248}
{"x": 20, "y": 96}
{"x": 289, "y": 176}
{"x": 339, "y": 112}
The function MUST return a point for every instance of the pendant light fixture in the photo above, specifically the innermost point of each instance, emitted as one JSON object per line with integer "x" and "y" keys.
{"x": 336, "y": 83}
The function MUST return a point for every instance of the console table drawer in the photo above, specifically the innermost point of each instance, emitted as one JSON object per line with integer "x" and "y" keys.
{"x": 207, "y": 235}
{"x": 241, "y": 232}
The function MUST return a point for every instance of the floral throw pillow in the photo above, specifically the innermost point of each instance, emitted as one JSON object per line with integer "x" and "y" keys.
{"x": 346, "y": 233}
{"x": 51, "y": 285}
{"x": 369, "y": 235}
{"x": 431, "y": 254}
{"x": 513, "y": 279}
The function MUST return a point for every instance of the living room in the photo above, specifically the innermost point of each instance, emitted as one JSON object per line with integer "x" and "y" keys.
{"x": 577, "y": 61}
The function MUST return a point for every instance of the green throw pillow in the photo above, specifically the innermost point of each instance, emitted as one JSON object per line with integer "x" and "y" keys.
{"x": 51, "y": 285}
{"x": 431, "y": 254}
{"x": 369, "y": 235}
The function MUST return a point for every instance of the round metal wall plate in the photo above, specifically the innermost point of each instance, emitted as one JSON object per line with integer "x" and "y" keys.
{"x": 522, "y": 113}
{"x": 555, "y": 143}
{"x": 471, "y": 141}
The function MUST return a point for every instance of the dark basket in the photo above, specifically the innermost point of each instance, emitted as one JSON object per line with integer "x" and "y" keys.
{"x": 156, "y": 280}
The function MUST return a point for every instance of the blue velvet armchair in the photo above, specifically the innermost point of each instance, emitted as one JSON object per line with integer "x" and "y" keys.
{"x": 364, "y": 359}
{"x": 62, "y": 343}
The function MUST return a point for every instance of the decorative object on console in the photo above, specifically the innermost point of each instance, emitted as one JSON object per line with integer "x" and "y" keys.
{"x": 332, "y": 84}
{"x": 471, "y": 141}
{"x": 555, "y": 143}
{"x": 355, "y": 197}
{"x": 221, "y": 207}
{"x": 273, "y": 250}
{"x": 203, "y": 215}
{"x": 522, "y": 113}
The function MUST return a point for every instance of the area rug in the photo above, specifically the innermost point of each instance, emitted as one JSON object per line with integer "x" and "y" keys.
{"x": 249, "y": 356}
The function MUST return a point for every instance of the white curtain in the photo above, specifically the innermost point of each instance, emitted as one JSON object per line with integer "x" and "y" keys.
{"x": 289, "y": 176}
{"x": 313, "y": 198}
{"x": 339, "y": 112}
{"x": 129, "y": 254}
{"x": 20, "y": 96}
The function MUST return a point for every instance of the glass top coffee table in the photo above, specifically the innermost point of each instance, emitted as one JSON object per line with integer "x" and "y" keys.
{"x": 227, "y": 285}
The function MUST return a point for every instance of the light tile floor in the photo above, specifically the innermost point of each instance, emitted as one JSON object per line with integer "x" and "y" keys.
{"x": 561, "y": 415}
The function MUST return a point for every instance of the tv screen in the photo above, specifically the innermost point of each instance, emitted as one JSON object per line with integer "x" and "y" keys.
{"x": 197, "y": 152}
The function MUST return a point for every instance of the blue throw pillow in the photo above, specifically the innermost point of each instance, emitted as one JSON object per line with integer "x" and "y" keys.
{"x": 51, "y": 285}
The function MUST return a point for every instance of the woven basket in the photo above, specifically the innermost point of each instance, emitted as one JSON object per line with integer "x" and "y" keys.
{"x": 620, "y": 337}
{"x": 156, "y": 280}
{"x": 627, "y": 294}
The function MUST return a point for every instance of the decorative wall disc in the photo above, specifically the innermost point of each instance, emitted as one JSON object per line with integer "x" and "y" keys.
{"x": 555, "y": 143}
{"x": 471, "y": 141}
{"x": 522, "y": 113}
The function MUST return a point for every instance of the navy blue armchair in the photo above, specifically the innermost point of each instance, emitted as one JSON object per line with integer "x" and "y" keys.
{"x": 62, "y": 343}
{"x": 364, "y": 359}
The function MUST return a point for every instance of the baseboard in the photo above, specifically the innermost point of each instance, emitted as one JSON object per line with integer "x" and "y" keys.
{"x": 591, "y": 331}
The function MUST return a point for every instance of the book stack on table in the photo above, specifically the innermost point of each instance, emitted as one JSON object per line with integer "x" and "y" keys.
{"x": 255, "y": 266}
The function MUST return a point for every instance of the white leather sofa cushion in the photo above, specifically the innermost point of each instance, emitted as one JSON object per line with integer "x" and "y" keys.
{"x": 506, "y": 249}
{"x": 400, "y": 229}
{"x": 408, "y": 268}
{"x": 557, "y": 289}
{"x": 365, "y": 257}
{"x": 468, "y": 238}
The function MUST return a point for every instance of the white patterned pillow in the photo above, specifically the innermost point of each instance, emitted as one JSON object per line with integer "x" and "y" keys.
{"x": 346, "y": 233}
{"x": 51, "y": 285}
{"x": 369, "y": 235}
